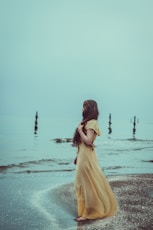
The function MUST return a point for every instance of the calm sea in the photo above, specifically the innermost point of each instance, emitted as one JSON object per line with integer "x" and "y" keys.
{"x": 22, "y": 151}
{"x": 32, "y": 165}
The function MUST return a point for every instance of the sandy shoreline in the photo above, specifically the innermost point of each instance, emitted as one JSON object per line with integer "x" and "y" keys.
{"x": 135, "y": 199}
{"x": 47, "y": 201}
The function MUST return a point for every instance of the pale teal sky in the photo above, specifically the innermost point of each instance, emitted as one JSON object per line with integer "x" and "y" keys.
{"x": 57, "y": 53}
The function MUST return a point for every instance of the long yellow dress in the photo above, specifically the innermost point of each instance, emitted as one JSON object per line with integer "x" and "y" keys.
{"x": 95, "y": 197}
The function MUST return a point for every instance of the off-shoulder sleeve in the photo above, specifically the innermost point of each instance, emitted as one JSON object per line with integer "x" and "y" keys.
{"x": 93, "y": 124}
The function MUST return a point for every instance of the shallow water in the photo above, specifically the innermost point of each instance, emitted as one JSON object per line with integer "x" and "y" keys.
{"x": 23, "y": 152}
{"x": 27, "y": 203}
{"x": 32, "y": 165}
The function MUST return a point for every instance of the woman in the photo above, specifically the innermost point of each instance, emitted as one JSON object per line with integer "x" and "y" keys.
{"x": 94, "y": 195}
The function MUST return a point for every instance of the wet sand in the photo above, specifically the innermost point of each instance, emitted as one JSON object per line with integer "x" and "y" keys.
{"x": 135, "y": 204}
{"x": 47, "y": 201}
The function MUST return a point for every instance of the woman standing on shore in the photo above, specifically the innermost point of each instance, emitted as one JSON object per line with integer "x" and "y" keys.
{"x": 94, "y": 195}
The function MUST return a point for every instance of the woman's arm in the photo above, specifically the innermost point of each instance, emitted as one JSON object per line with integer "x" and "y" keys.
{"x": 86, "y": 138}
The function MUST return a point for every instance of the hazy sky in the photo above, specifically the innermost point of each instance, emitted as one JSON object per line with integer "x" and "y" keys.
{"x": 56, "y": 53}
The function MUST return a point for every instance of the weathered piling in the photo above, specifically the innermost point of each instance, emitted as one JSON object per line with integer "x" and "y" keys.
{"x": 134, "y": 127}
{"x": 36, "y": 123}
{"x": 109, "y": 125}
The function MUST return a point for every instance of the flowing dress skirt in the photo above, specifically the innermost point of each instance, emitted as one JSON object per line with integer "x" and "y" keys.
{"x": 95, "y": 197}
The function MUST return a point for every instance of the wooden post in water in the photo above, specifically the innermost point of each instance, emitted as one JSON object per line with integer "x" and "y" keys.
{"x": 134, "y": 127}
{"x": 109, "y": 123}
{"x": 36, "y": 123}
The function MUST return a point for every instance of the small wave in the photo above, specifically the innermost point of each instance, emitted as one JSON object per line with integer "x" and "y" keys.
{"x": 49, "y": 162}
{"x": 116, "y": 167}
{"x": 58, "y": 205}
{"x": 133, "y": 149}
{"x": 134, "y": 140}
{"x": 45, "y": 171}
{"x": 37, "y": 201}
{"x": 149, "y": 161}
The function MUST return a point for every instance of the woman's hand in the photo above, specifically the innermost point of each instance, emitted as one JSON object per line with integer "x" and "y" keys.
{"x": 80, "y": 127}
{"x": 87, "y": 138}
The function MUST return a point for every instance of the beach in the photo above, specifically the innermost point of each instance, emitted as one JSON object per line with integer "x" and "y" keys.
{"x": 135, "y": 201}
{"x": 31, "y": 202}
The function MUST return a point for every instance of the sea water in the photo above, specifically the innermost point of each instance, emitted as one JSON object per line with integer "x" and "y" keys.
{"x": 22, "y": 151}
{"x": 32, "y": 165}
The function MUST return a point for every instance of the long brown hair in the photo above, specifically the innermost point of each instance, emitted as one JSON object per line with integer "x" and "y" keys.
{"x": 90, "y": 111}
